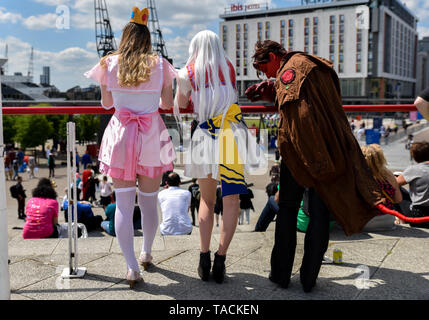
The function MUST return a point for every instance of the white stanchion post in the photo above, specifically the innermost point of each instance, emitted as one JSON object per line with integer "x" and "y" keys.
{"x": 73, "y": 271}
{"x": 4, "y": 254}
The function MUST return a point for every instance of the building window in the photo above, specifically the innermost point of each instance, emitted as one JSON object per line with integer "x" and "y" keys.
{"x": 224, "y": 36}
{"x": 244, "y": 71}
{"x": 267, "y": 25}
{"x": 341, "y": 18}
{"x": 282, "y": 33}
{"x": 306, "y": 31}
{"x": 237, "y": 27}
{"x": 358, "y": 67}
{"x": 331, "y": 49}
{"x": 259, "y": 35}
{"x": 332, "y": 28}
{"x": 290, "y": 22}
{"x": 358, "y": 57}
{"x": 315, "y": 51}
{"x": 290, "y": 32}
{"x": 306, "y": 49}
{"x": 340, "y": 68}
{"x": 315, "y": 30}
{"x": 341, "y": 48}
{"x": 238, "y": 54}
{"x": 259, "y": 25}
{"x": 283, "y": 43}
{"x": 331, "y": 19}
{"x": 315, "y": 21}
{"x": 245, "y": 27}
{"x": 282, "y": 24}
{"x": 315, "y": 40}
{"x": 341, "y": 57}
{"x": 341, "y": 38}
{"x": 332, "y": 58}
{"x": 306, "y": 41}
{"x": 307, "y": 22}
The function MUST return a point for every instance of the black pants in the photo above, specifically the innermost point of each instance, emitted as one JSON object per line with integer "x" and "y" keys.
{"x": 316, "y": 238}
{"x": 194, "y": 207}
{"x": 21, "y": 207}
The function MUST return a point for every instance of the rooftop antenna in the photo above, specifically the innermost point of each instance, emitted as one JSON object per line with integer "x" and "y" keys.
{"x": 158, "y": 43}
{"x": 30, "y": 72}
{"x": 104, "y": 37}
{"x": 6, "y": 55}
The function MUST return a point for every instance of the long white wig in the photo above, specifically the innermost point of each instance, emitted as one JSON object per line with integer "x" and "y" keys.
{"x": 208, "y": 56}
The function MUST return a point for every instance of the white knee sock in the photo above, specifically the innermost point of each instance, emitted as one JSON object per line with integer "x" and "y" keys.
{"x": 125, "y": 199}
{"x": 149, "y": 210}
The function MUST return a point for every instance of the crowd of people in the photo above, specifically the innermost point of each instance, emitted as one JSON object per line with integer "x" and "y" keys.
{"x": 321, "y": 174}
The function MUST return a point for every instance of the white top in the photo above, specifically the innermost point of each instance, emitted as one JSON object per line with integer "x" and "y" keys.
{"x": 105, "y": 189}
{"x": 141, "y": 99}
{"x": 175, "y": 203}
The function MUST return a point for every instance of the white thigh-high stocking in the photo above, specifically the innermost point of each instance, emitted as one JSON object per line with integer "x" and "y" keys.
{"x": 125, "y": 199}
{"x": 149, "y": 210}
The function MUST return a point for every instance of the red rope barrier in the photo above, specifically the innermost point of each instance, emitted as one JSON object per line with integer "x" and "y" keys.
{"x": 244, "y": 109}
{"x": 395, "y": 213}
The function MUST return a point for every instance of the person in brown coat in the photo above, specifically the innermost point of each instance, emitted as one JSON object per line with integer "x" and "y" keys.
{"x": 318, "y": 151}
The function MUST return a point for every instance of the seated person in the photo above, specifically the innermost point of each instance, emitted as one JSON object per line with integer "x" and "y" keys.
{"x": 272, "y": 187}
{"x": 272, "y": 208}
{"x": 42, "y": 212}
{"x": 84, "y": 215}
{"x": 108, "y": 225}
{"x": 377, "y": 163}
{"x": 417, "y": 177}
{"x": 174, "y": 203}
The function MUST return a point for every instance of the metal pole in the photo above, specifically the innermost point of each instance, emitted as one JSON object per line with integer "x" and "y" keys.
{"x": 73, "y": 271}
{"x": 70, "y": 201}
{"x": 4, "y": 255}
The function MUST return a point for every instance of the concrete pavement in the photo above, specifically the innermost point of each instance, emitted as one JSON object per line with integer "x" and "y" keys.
{"x": 383, "y": 265}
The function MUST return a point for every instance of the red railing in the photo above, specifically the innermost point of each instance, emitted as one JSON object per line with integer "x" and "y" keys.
{"x": 245, "y": 109}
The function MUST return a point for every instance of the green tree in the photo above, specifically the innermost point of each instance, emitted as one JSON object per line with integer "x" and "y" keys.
{"x": 32, "y": 130}
{"x": 87, "y": 126}
{"x": 9, "y": 130}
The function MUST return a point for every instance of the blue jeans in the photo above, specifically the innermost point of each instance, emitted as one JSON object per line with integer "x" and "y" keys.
{"x": 267, "y": 215}
{"x": 105, "y": 225}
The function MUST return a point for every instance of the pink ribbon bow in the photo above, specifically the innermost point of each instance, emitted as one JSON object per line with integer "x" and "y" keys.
{"x": 144, "y": 121}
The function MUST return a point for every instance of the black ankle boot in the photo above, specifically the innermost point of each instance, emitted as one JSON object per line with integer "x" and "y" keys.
{"x": 204, "y": 266}
{"x": 219, "y": 268}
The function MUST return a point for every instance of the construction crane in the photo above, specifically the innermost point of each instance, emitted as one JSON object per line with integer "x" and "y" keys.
{"x": 104, "y": 37}
{"x": 158, "y": 43}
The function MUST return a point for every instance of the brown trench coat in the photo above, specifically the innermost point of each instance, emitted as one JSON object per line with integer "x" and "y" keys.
{"x": 317, "y": 144}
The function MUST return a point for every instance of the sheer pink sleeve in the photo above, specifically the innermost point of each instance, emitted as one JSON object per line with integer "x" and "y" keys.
{"x": 98, "y": 74}
{"x": 169, "y": 73}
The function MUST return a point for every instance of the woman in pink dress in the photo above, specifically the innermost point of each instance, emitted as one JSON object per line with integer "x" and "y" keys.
{"x": 42, "y": 212}
{"x": 136, "y": 145}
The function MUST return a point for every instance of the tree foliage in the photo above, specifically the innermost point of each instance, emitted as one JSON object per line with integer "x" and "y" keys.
{"x": 87, "y": 126}
{"x": 32, "y": 130}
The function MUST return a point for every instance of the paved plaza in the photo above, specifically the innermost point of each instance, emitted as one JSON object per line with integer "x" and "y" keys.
{"x": 381, "y": 265}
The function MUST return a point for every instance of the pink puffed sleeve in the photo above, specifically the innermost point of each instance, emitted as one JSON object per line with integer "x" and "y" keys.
{"x": 169, "y": 73}
{"x": 98, "y": 74}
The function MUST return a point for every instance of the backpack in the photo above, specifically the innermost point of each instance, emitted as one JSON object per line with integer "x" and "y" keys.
{"x": 14, "y": 191}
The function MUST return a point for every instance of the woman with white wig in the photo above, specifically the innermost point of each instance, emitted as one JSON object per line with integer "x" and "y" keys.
{"x": 221, "y": 147}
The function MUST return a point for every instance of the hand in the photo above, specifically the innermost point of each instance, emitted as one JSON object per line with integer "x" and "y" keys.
{"x": 261, "y": 91}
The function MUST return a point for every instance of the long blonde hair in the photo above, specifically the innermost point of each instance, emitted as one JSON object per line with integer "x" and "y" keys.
{"x": 136, "y": 58}
{"x": 376, "y": 161}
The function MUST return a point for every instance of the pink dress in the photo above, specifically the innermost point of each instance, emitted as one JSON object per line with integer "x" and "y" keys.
{"x": 40, "y": 214}
{"x": 136, "y": 141}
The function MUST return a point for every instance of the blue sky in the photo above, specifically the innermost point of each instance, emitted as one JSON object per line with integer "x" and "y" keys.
{"x": 70, "y": 52}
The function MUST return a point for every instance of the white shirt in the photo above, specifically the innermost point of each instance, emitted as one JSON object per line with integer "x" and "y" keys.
{"x": 175, "y": 203}
{"x": 105, "y": 189}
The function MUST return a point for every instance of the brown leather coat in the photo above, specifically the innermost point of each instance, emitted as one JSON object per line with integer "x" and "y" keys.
{"x": 317, "y": 144}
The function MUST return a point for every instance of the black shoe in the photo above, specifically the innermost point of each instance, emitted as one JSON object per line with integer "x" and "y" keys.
{"x": 204, "y": 266}
{"x": 307, "y": 286}
{"x": 219, "y": 268}
{"x": 283, "y": 284}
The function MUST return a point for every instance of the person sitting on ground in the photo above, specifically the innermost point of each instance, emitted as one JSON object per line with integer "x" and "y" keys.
{"x": 273, "y": 186}
{"x": 108, "y": 225}
{"x": 85, "y": 214}
{"x": 376, "y": 161}
{"x": 174, "y": 203}
{"x": 417, "y": 177}
{"x": 42, "y": 212}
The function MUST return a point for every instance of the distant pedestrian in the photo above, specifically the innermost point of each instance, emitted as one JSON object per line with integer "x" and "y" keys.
{"x": 31, "y": 166}
{"x": 86, "y": 159}
{"x": 245, "y": 206}
{"x": 106, "y": 191}
{"x": 18, "y": 192}
{"x": 15, "y": 167}
{"x": 51, "y": 165}
{"x": 218, "y": 209}
{"x": 409, "y": 144}
{"x": 194, "y": 189}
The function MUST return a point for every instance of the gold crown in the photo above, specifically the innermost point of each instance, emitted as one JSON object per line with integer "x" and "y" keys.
{"x": 140, "y": 17}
